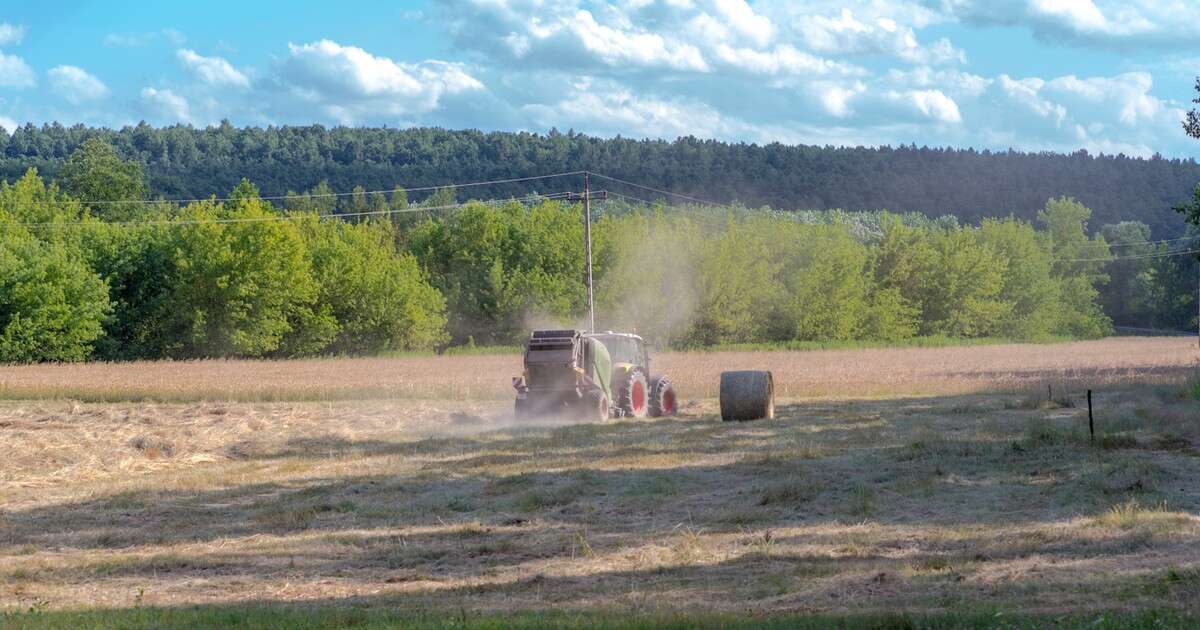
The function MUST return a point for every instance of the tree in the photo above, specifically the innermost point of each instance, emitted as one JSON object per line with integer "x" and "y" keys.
{"x": 722, "y": 284}
{"x": 1078, "y": 267}
{"x": 109, "y": 185}
{"x": 378, "y": 300}
{"x": 1191, "y": 123}
{"x": 823, "y": 272}
{"x": 442, "y": 198}
{"x": 1029, "y": 288}
{"x": 237, "y": 288}
{"x": 1126, "y": 296}
{"x": 52, "y": 306}
{"x": 902, "y": 261}
{"x": 961, "y": 293}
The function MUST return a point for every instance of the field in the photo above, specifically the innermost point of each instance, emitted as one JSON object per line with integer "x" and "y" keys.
{"x": 923, "y": 481}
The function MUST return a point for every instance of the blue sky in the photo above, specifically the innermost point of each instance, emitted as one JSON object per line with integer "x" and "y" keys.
{"x": 1102, "y": 75}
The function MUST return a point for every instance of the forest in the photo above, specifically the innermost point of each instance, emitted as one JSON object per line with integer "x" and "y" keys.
{"x": 92, "y": 268}
{"x": 186, "y": 162}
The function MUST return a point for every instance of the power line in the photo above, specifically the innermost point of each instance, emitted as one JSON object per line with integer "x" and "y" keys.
{"x": 657, "y": 190}
{"x": 1134, "y": 257}
{"x": 1158, "y": 242}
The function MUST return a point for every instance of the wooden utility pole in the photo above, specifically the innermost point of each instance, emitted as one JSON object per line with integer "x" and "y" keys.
{"x": 587, "y": 197}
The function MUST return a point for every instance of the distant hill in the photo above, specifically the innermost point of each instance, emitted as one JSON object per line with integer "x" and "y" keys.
{"x": 186, "y": 162}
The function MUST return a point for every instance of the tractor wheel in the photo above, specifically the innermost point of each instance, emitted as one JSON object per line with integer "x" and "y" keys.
{"x": 633, "y": 395}
{"x": 662, "y": 397}
{"x": 523, "y": 409}
{"x": 594, "y": 407}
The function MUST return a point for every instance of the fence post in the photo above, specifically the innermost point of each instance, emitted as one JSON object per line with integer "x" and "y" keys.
{"x": 1091, "y": 422}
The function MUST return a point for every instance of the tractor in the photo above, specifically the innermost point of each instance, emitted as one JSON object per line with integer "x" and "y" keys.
{"x": 593, "y": 376}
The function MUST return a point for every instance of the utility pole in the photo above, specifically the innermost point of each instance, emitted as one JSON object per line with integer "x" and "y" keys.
{"x": 586, "y": 197}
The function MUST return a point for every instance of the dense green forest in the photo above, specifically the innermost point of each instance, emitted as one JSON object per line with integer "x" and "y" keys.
{"x": 87, "y": 271}
{"x": 183, "y": 162}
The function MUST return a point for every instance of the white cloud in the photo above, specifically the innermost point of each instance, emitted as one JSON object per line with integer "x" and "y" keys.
{"x": 8, "y": 124}
{"x": 1027, "y": 92}
{"x": 1089, "y": 22}
{"x": 166, "y": 105}
{"x": 634, "y": 37}
{"x": 15, "y": 73}
{"x": 609, "y": 109}
{"x": 350, "y": 83}
{"x": 936, "y": 105}
{"x": 836, "y": 98}
{"x": 782, "y": 60}
{"x": 1081, "y": 15}
{"x": 76, "y": 85}
{"x": 1129, "y": 93}
{"x": 212, "y": 70}
{"x": 742, "y": 19}
{"x": 11, "y": 34}
{"x": 846, "y": 34}
{"x": 615, "y": 46}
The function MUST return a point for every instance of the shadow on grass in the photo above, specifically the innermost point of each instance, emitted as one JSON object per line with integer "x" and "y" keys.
{"x": 324, "y": 615}
{"x": 496, "y": 503}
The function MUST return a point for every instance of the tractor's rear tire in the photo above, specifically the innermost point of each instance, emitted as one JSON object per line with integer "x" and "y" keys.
{"x": 662, "y": 397}
{"x": 594, "y": 407}
{"x": 633, "y": 394}
{"x": 523, "y": 409}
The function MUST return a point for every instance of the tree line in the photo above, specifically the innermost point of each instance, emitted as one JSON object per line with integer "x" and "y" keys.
{"x": 185, "y": 162}
{"x": 89, "y": 272}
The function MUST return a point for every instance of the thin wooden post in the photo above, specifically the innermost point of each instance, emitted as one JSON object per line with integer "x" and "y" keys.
{"x": 1091, "y": 421}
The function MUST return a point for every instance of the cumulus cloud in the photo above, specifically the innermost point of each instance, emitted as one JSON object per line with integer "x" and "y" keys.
{"x": 846, "y": 34}
{"x": 8, "y": 124}
{"x": 607, "y": 108}
{"x": 15, "y": 73}
{"x": 935, "y": 105}
{"x": 1088, "y": 22}
{"x": 76, "y": 85}
{"x": 212, "y": 70}
{"x": 166, "y": 105}
{"x": 716, "y": 36}
{"x": 11, "y": 33}
{"x": 348, "y": 82}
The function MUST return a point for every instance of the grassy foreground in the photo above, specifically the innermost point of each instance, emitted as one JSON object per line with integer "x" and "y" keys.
{"x": 341, "y": 617}
{"x": 986, "y": 505}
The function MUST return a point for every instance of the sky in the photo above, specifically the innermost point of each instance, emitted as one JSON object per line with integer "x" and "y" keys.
{"x": 1107, "y": 76}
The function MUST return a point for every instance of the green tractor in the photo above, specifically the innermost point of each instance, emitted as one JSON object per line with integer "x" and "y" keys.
{"x": 594, "y": 376}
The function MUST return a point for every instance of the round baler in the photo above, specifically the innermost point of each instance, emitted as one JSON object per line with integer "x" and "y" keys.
{"x": 581, "y": 373}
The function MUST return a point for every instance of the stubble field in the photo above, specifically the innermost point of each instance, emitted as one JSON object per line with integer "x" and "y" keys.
{"x": 917, "y": 481}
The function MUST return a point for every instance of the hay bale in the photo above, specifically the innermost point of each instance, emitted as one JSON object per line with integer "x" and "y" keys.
{"x": 747, "y": 395}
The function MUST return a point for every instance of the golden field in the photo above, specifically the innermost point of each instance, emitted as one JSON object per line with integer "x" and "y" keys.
{"x": 820, "y": 373}
{"x": 914, "y": 480}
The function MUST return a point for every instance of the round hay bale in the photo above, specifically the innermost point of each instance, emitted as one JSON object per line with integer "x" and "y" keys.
{"x": 747, "y": 395}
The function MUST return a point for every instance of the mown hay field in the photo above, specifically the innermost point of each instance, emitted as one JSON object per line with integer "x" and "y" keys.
{"x": 921, "y": 481}
{"x": 818, "y": 373}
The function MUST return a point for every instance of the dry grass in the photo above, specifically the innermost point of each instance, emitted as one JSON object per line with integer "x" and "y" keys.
{"x": 982, "y": 500}
{"x": 860, "y": 373}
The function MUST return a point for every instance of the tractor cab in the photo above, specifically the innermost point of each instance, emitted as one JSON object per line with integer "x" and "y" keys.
{"x": 625, "y": 349}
